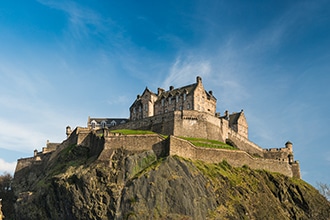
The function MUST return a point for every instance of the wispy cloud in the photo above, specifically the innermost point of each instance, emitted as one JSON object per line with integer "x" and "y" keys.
{"x": 82, "y": 20}
{"x": 184, "y": 70}
{"x": 6, "y": 167}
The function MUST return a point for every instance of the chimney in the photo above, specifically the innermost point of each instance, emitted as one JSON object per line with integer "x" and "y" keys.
{"x": 227, "y": 115}
{"x": 211, "y": 92}
{"x": 199, "y": 79}
{"x": 160, "y": 91}
{"x": 171, "y": 88}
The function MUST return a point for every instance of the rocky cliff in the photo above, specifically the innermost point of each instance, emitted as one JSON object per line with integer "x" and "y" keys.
{"x": 73, "y": 184}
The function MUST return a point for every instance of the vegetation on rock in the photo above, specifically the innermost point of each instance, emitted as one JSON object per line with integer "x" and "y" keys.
{"x": 138, "y": 185}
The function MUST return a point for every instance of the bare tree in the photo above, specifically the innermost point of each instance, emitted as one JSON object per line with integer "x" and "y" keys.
{"x": 324, "y": 189}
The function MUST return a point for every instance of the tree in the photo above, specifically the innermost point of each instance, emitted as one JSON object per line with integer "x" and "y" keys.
{"x": 7, "y": 195}
{"x": 324, "y": 189}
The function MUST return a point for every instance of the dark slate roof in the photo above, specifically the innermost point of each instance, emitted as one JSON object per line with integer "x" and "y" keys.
{"x": 138, "y": 99}
{"x": 177, "y": 91}
{"x": 233, "y": 117}
{"x": 109, "y": 120}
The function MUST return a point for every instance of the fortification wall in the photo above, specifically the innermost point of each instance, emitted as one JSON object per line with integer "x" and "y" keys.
{"x": 134, "y": 143}
{"x": 281, "y": 154}
{"x": 296, "y": 169}
{"x": 24, "y": 162}
{"x": 188, "y": 123}
{"x": 197, "y": 124}
{"x": 162, "y": 124}
{"x": 235, "y": 158}
{"x": 245, "y": 144}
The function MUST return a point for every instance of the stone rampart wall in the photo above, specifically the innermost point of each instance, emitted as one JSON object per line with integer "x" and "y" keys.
{"x": 235, "y": 158}
{"x": 162, "y": 124}
{"x": 277, "y": 154}
{"x": 134, "y": 143}
{"x": 24, "y": 162}
{"x": 197, "y": 124}
{"x": 244, "y": 144}
{"x": 188, "y": 123}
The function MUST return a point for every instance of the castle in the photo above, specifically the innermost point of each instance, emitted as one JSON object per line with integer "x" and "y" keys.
{"x": 188, "y": 111}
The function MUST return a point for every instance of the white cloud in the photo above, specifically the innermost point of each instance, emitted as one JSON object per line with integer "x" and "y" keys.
{"x": 80, "y": 18}
{"x": 184, "y": 70}
{"x": 6, "y": 167}
{"x": 22, "y": 138}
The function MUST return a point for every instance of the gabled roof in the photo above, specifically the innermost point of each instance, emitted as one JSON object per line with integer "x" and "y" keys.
{"x": 138, "y": 99}
{"x": 108, "y": 121}
{"x": 233, "y": 117}
{"x": 177, "y": 91}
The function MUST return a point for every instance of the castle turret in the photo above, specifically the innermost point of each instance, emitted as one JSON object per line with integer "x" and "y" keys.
{"x": 289, "y": 145}
{"x": 68, "y": 131}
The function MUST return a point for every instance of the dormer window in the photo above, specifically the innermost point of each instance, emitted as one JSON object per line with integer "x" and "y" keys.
{"x": 177, "y": 98}
{"x": 184, "y": 96}
{"x": 93, "y": 124}
{"x": 163, "y": 102}
{"x": 103, "y": 124}
{"x": 169, "y": 100}
{"x": 113, "y": 123}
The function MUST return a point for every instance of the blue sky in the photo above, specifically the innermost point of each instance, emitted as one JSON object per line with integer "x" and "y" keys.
{"x": 62, "y": 61}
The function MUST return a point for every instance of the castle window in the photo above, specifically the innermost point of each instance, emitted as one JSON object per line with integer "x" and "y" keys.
{"x": 180, "y": 107}
{"x": 113, "y": 123}
{"x": 103, "y": 123}
{"x": 93, "y": 123}
{"x": 139, "y": 108}
{"x": 177, "y": 98}
{"x": 166, "y": 110}
{"x": 169, "y": 100}
{"x": 188, "y": 106}
{"x": 173, "y": 109}
{"x": 184, "y": 97}
{"x": 134, "y": 110}
{"x": 163, "y": 101}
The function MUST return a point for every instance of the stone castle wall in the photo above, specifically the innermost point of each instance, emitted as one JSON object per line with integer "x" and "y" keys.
{"x": 191, "y": 123}
{"x": 235, "y": 158}
{"x": 134, "y": 143}
{"x": 244, "y": 144}
{"x": 102, "y": 144}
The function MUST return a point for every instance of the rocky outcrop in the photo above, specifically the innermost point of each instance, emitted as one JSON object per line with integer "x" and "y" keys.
{"x": 138, "y": 185}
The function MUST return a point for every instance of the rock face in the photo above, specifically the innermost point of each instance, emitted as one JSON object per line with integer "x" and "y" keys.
{"x": 138, "y": 185}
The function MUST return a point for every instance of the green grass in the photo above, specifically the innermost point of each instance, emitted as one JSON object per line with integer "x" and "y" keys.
{"x": 132, "y": 132}
{"x": 200, "y": 142}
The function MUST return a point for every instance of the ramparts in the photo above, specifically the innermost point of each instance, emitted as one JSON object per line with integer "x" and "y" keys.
{"x": 103, "y": 143}
{"x": 235, "y": 158}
